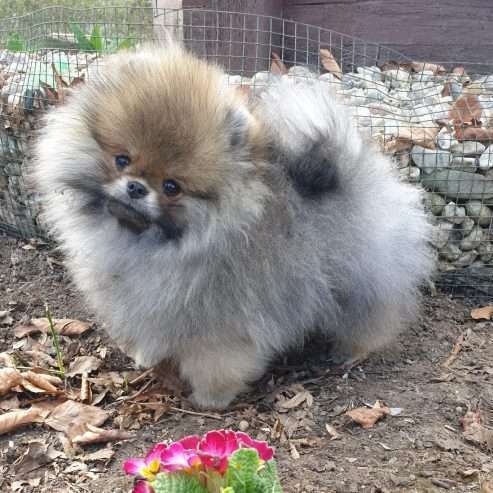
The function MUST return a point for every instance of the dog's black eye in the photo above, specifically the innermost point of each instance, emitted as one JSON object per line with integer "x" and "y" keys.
{"x": 121, "y": 161}
{"x": 171, "y": 188}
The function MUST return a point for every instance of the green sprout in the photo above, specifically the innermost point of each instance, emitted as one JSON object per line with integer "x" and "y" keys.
{"x": 56, "y": 342}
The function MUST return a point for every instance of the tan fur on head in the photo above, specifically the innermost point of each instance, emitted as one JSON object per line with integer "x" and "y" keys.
{"x": 170, "y": 113}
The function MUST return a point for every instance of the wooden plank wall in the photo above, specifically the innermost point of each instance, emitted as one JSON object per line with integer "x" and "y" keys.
{"x": 431, "y": 30}
{"x": 434, "y": 30}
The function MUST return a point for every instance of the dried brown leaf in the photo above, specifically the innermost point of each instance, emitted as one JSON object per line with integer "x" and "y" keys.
{"x": 71, "y": 417}
{"x": 447, "y": 90}
{"x": 483, "y": 313}
{"x": 15, "y": 419}
{"x": 92, "y": 434}
{"x": 65, "y": 326}
{"x": 474, "y": 133}
{"x": 38, "y": 383}
{"x": 10, "y": 403}
{"x": 85, "y": 390}
{"x": 424, "y": 137}
{"x": 9, "y": 378}
{"x": 40, "y": 358}
{"x": 367, "y": 417}
{"x": 330, "y": 63}
{"x": 34, "y": 457}
{"x": 277, "y": 66}
{"x": 83, "y": 364}
{"x": 459, "y": 343}
{"x": 334, "y": 435}
{"x": 297, "y": 400}
{"x": 486, "y": 487}
{"x": 295, "y": 455}
{"x": 466, "y": 110}
{"x": 103, "y": 454}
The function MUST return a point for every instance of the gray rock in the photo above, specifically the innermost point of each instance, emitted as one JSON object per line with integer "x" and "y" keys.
{"x": 299, "y": 71}
{"x": 479, "y": 212}
{"x": 445, "y": 140}
{"x": 440, "y": 234}
{"x": 424, "y": 76}
{"x": 454, "y": 213}
{"x": 459, "y": 185}
{"x": 486, "y": 159}
{"x": 450, "y": 252}
{"x": 348, "y": 80}
{"x": 485, "y": 251}
{"x": 444, "y": 266}
{"x": 396, "y": 78}
{"x": 466, "y": 259}
{"x": 455, "y": 90}
{"x": 430, "y": 159}
{"x": 261, "y": 80}
{"x": 370, "y": 73}
{"x": 435, "y": 203}
{"x": 329, "y": 78}
{"x": 375, "y": 94}
{"x": 472, "y": 240}
{"x": 464, "y": 163}
{"x": 410, "y": 174}
{"x": 487, "y": 82}
{"x": 467, "y": 148}
{"x": 467, "y": 226}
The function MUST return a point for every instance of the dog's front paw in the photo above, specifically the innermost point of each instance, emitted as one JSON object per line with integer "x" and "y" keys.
{"x": 213, "y": 401}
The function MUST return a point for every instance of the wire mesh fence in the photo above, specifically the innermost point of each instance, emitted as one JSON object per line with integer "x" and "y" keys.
{"x": 434, "y": 119}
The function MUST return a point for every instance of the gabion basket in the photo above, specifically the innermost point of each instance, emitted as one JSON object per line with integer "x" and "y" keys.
{"x": 434, "y": 119}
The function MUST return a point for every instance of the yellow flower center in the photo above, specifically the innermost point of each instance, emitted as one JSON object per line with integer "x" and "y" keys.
{"x": 149, "y": 472}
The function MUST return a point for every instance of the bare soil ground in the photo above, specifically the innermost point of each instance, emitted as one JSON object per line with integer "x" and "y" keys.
{"x": 420, "y": 447}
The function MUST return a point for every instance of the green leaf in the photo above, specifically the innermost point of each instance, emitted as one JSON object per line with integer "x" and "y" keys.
{"x": 177, "y": 483}
{"x": 83, "y": 43}
{"x": 227, "y": 490}
{"x": 269, "y": 479}
{"x": 96, "y": 39}
{"x": 242, "y": 471}
{"x": 16, "y": 42}
{"x": 126, "y": 44}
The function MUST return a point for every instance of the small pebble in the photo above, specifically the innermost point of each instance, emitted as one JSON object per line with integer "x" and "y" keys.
{"x": 243, "y": 425}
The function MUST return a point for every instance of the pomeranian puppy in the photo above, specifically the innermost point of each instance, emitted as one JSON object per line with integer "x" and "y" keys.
{"x": 215, "y": 232}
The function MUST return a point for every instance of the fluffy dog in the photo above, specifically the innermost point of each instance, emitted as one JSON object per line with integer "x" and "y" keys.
{"x": 217, "y": 233}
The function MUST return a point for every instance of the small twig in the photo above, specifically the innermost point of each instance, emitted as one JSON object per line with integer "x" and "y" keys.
{"x": 56, "y": 342}
{"x": 139, "y": 392}
{"x": 459, "y": 343}
{"x": 195, "y": 413}
{"x": 141, "y": 376}
{"x": 47, "y": 370}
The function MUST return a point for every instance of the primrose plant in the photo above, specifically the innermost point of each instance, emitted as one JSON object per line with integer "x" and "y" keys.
{"x": 221, "y": 461}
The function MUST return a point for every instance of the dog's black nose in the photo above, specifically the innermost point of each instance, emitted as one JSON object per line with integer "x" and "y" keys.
{"x": 136, "y": 190}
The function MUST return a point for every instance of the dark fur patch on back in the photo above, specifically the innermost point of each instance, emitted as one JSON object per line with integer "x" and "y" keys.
{"x": 314, "y": 173}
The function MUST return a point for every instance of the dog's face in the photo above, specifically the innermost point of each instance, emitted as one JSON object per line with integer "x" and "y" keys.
{"x": 160, "y": 142}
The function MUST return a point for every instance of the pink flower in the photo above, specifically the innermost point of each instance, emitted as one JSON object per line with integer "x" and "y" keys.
{"x": 147, "y": 467}
{"x": 142, "y": 487}
{"x": 264, "y": 451}
{"x": 216, "y": 447}
{"x": 177, "y": 458}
